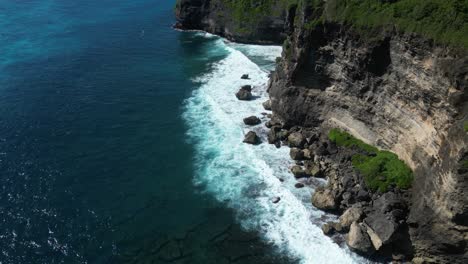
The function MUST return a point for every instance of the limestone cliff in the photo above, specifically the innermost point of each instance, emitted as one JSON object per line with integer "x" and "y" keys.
{"x": 396, "y": 90}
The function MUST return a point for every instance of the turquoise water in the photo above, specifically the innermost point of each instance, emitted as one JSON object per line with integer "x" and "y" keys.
{"x": 120, "y": 142}
{"x": 96, "y": 165}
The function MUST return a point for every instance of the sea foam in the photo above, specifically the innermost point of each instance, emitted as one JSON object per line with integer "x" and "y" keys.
{"x": 246, "y": 177}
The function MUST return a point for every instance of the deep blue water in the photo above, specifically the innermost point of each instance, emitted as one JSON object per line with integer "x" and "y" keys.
{"x": 96, "y": 165}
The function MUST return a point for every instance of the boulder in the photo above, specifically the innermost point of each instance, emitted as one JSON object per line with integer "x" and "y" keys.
{"x": 358, "y": 240}
{"x": 298, "y": 171}
{"x": 308, "y": 154}
{"x": 252, "y": 138}
{"x": 245, "y": 77}
{"x": 244, "y": 95}
{"x": 381, "y": 229}
{"x": 296, "y": 140}
{"x": 299, "y": 185}
{"x": 276, "y": 200}
{"x": 296, "y": 154}
{"x": 267, "y": 105}
{"x": 313, "y": 169}
{"x": 252, "y": 121}
{"x": 351, "y": 215}
{"x": 324, "y": 199}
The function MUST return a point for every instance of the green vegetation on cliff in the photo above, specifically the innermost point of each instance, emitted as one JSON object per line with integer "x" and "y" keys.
{"x": 379, "y": 168}
{"x": 445, "y": 21}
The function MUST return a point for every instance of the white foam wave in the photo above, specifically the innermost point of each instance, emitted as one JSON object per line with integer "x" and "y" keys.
{"x": 247, "y": 177}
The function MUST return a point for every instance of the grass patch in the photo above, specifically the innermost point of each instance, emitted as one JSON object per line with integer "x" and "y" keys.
{"x": 380, "y": 168}
{"x": 465, "y": 126}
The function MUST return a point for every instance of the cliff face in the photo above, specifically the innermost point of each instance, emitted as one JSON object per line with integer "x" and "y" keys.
{"x": 262, "y": 23}
{"x": 397, "y": 91}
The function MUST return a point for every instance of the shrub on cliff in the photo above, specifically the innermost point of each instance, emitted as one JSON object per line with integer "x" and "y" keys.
{"x": 379, "y": 168}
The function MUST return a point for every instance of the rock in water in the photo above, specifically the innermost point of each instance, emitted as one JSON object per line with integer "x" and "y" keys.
{"x": 252, "y": 138}
{"x": 299, "y": 185}
{"x": 358, "y": 240}
{"x": 276, "y": 200}
{"x": 267, "y": 105}
{"x": 252, "y": 121}
{"x": 244, "y": 95}
{"x": 245, "y": 76}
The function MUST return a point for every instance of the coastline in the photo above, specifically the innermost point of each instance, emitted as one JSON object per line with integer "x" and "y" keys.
{"x": 287, "y": 219}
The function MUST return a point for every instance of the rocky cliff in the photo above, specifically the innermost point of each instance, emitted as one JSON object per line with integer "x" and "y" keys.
{"x": 393, "y": 89}
{"x": 241, "y": 21}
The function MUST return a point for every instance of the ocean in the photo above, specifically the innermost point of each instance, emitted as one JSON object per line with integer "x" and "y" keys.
{"x": 121, "y": 142}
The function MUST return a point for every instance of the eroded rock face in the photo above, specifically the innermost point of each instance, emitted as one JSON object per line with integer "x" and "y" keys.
{"x": 398, "y": 92}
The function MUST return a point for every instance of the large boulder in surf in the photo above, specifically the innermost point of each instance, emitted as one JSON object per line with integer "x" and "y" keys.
{"x": 252, "y": 138}
{"x": 244, "y": 93}
{"x": 358, "y": 240}
{"x": 252, "y": 121}
{"x": 245, "y": 77}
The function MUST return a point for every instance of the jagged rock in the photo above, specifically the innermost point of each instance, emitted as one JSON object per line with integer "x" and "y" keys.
{"x": 296, "y": 140}
{"x": 298, "y": 171}
{"x": 252, "y": 121}
{"x": 252, "y": 138}
{"x": 244, "y": 93}
{"x": 296, "y": 154}
{"x": 245, "y": 76}
{"x": 324, "y": 199}
{"x": 351, "y": 215}
{"x": 381, "y": 229}
{"x": 267, "y": 105}
{"x": 358, "y": 240}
